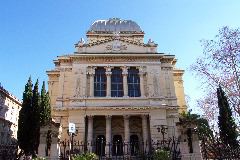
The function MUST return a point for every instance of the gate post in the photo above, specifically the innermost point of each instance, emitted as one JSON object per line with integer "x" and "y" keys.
{"x": 49, "y": 141}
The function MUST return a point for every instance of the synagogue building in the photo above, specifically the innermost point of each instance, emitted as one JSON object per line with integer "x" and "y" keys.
{"x": 117, "y": 87}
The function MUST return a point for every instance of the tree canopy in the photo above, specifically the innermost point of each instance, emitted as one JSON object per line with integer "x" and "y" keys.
{"x": 220, "y": 65}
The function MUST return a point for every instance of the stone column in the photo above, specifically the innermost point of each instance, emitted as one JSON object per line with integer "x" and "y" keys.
{"x": 108, "y": 74}
{"x": 108, "y": 135}
{"x": 125, "y": 83}
{"x": 91, "y": 87}
{"x": 145, "y": 132}
{"x": 141, "y": 75}
{"x": 126, "y": 134}
{"x": 90, "y": 133}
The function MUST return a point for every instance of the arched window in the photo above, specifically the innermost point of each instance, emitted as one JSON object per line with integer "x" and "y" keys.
{"x": 116, "y": 82}
{"x": 100, "y": 82}
{"x": 133, "y": 82}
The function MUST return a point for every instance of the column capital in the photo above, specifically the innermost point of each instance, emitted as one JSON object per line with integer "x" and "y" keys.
{"x": 91, "y": 70}
{"x": 141, "y": 70}
{"x": 144, "y": 116}
{"x": 108, "y": 73}
{"x": 126, "y": 117}
{"x": 108, "y": 116}
{"x": 108, "y": 68}
{"x": 90, "y": 116}
{"x": 124, "y": 70}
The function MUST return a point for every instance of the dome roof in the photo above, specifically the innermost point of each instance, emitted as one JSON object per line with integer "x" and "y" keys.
{"x": 115, "y": 25}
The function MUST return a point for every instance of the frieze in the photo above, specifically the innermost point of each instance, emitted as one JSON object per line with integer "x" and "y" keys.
{"x": 65, "y": 69}
{"x": 167, "y": 68}
{"x": 67, "y": 60}
{"x": 115, "y": 59}
{"x": 167, "y": 60}
{"x": 111, "y": 108}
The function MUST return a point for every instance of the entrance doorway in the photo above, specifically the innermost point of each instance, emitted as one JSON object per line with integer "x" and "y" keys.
{"x": 134, "y": 143}
{"x": 100, "y": 145}
{"x": 117, "y": 148}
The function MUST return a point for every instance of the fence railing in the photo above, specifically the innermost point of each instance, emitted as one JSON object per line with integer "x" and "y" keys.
{"x": 120, "y": 150}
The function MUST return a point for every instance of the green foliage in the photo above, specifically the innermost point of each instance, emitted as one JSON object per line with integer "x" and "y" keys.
{"x": 39, "y": 158}
{"x": 226, "y": 123}
{"x": 35, "y": 118}
{"x": 202, "y": 126}
{"x": 24, "y": 133}
{"x": 86, "y": 156}
{"x": 45, "y": 109}
{"x": 35, "y": 111}
{"x": 161, "y": 154}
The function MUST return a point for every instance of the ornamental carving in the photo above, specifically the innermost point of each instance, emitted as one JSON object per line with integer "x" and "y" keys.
{"x": 116, "y": 46}
{"x": 65, "y": 69}
{"x": 78, "y": 88}
{"x": 115, "y": 59}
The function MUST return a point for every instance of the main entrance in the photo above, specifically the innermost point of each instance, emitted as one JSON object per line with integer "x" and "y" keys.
{"x": 117, "y": 148}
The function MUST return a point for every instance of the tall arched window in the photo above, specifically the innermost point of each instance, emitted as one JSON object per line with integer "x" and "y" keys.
{"x": 100, "y": 82}
{"x": 133, "y": 82}
{"x": 116, "y": 82}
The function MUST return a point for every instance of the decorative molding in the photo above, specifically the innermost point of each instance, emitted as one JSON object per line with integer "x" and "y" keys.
{"x": 114, "y": 58}
{"x": 65, "y": 69}
{"x": 116, "y": 46}
{"x": 78, "y": 88}
{"x": 91, "y": 70}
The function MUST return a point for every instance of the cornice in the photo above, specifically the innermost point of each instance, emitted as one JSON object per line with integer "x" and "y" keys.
{"x": 178, "y": 72}
{"x": 53, "y": 73}
{"x": 10, "y": 96}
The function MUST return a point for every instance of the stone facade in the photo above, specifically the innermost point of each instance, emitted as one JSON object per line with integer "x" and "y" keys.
{"x": 115, "y": 110}
{"x": 9, "y": 111}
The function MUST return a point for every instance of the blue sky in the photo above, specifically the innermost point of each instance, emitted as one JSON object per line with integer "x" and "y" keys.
{"x": 33, "y": 33}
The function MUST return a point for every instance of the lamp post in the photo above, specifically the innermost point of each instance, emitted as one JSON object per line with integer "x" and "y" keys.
{"x": 162, "y": 129}
{"x": 72, "y": 131}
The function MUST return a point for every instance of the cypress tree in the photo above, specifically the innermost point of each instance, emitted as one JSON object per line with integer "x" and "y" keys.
{"x": 35, "y": 112}
{"x": 36, "y": 118}
{"x": 45, "y": 109}
{"x": 226, "y": 123}
{"x": 24, "y": 122}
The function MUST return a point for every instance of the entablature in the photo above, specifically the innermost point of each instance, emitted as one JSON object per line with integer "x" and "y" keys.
{"x": 113, "y": 101}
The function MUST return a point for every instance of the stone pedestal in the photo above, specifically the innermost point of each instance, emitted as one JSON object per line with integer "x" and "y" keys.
{"x": 49, "y": 141}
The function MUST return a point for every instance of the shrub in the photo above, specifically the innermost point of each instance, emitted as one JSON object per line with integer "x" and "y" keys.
{"x": 161, "y": 154}
{"x": 85, "y": 156}
{"x": 39, "y": 158}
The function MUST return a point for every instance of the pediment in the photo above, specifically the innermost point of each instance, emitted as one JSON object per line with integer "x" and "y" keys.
{"x": 116, "y": 46}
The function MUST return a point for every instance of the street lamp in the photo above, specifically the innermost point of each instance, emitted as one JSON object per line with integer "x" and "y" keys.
{"x": 72, "y": 131}
{"x": 162, "y": 129}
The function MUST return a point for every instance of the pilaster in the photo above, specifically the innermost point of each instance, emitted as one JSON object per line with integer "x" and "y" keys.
{"x": 91, "y": 74}
{"x": 125, "y": 83}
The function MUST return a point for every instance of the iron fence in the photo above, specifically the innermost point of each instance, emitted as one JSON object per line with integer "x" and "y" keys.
{"x": 121, "y": 150}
